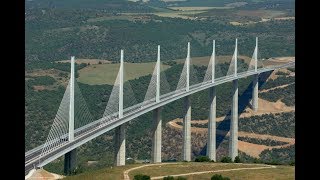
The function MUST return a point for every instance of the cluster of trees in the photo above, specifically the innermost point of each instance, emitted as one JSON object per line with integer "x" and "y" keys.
{"x": 43, "y": 65}
{"x": 286, "y": 94}
{"x": 219, "y": 177}
{"x": 110, "y": 6}
{"x": 284, "y": 155}
{"x": 280, "y": 124}
{"x": 279, "y": 81}
{"x": 40, "y": 80}
{"x": 267, "y": 142}
{"x": 172, "y": 178}
{"x": 281, "y": 73}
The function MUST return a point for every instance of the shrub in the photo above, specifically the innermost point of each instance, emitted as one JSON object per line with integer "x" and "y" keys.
{"x": 258, "y": 161}
{"x": 237, "y": 159}
{"x": 292, "y": 163}
{"x": 181, "y": 178}
{"x": 273, "y": 162}
{"x": 226, "y": 159}
{"x": 141, "y": 177}
{"x": 130, "y": 161}
{"x": 281, "y": 73}
{"x": 202, "y": 159}
{"x": 219, "y": 177}
{"x": 168, "y": 178}
{"x": 291, "y": 69}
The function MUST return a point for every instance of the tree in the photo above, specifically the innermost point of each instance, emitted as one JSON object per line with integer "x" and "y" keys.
{"x": 181, "y": 178}
{"x": 141, "y": 177}
{"x": 219, "y": 177}
{"x": 202, "y": 159}
{"x": 226, "y": 159}
{"x": 168, "y": 178}
{"x": 237, "y": 159}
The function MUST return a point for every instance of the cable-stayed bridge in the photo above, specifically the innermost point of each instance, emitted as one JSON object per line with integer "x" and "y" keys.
{"x": 74, "y": 125}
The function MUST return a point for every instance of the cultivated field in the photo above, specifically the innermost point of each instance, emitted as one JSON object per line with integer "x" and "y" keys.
{"x": 260, "y": 13}
{"x": 199, "y": 8}
{"x": 179, "y": 14}
{"x": 107, "y": 73}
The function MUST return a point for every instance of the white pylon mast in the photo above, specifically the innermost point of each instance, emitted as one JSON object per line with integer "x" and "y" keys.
{"x": 236, "y": 58}
{"x": 256, "y": 56}
{"x": 188, "y": 67}
{"x": 158, "y": 76}
{"x": 121, "y": 87}
{"x": 71, "y": 104}
{"x": 213, "y": 60}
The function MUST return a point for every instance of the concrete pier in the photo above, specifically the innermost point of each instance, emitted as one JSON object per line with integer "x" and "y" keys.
{"x": 187, "y": 130}
{"x": 120, "y": 145}
{"x": 255, "y": 92}
{"x": 233, "y": 141}
{"x": 156, "y": 137}
{"x": 211, "y": 144}
{"x": 70, "y": 161}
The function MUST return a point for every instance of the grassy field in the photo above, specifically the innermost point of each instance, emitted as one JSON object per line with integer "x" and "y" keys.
{"x": 198, "y": 8}
{"x": 261, "y": 13}
{"x": 107, "y": 73}
{"x": 179, "y": 14}
{"x": 124, "y": 16}
{"x": 280, "y": 172}
{"x": 182, "y": 168}
{"x": 106, "y": 173}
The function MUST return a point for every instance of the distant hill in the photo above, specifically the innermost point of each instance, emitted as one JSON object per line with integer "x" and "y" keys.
{"x": 84, "y": 4}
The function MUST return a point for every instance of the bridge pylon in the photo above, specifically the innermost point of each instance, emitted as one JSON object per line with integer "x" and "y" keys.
{"x": 157, "y": 122}
{"x": 187, "y": 130}
{"x": 120, "y": 133}
{"x": 211, "y": 144}
{"x": 70, "y": 157}
{"x": 255, "y": 83}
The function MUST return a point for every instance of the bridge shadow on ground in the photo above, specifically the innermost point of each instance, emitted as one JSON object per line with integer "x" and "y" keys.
{"x": 243, "y": 102}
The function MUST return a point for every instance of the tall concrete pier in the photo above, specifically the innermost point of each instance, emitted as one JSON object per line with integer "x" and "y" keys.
{"x": 70, "y": 161}
{"x": 211, "y": 145}
{"x": 120, "y": 145}
{"x": 156, "y": 137}
{"x": 255, "y": 92}
{"x": 187, "y": 130}
{"x": 233, "y": 141}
